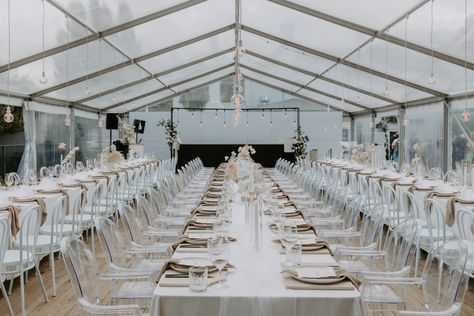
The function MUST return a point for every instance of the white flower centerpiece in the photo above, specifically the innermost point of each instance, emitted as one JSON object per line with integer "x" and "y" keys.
{"x": 109, "y": 157}
{"x": 126, "y": 131}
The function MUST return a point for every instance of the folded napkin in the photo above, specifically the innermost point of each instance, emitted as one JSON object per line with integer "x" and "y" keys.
{"x": 79, "y": 184}
{"x": 318, "y": 246}
{"x": 57, "y": 191}
{"x": 416, "y": 188}
{"x": 13, "y": 212}
{"x": 209, "y": 201}
{"x": 304, "y": 227}
{"x": 440, "y": 194}
{"x": 215, "y": 189}
{"x": 388, "y": 179}
{"x": 213, "y": 195}
{"x": 185, "y": 240}
{"x": 36, "y": 200}
{"x": 194, "y": 223}
{"x": 204, "y": 212}
{"x": 101, "y": 178}
{"x": 451, "y": 208}
{"x": 340, "y": 276}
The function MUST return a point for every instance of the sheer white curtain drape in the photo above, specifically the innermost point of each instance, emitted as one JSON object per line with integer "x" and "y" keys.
{"x": 28, "y": 160}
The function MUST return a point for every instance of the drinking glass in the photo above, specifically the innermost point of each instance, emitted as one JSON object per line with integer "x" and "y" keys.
{"x": 32, "y": 176}
{"x": 198, "y": 278}
{"x": 217, "y": 251}
{"x": 293, "y": 255}
{"x": 89, "y": 164}
{"x": 289, "y": 235}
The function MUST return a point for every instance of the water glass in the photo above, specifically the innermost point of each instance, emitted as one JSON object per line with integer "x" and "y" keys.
{"x": 198, "y": 279}
{"x": 293, "y": 255}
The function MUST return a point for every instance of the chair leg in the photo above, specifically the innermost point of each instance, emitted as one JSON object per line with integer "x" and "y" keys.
{"x": 22, "y": 293}
{"x": 4, "y": 293}
{"x": 40, "y": 279}
{"x": 53, "y": 271}
{"x": 417, "y": 260}
{"x": 11, "y": 286}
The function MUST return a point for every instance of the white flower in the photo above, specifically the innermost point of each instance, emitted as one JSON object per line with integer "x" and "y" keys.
{"x": 226, "y": 158}
{"x": 62, "y": 146}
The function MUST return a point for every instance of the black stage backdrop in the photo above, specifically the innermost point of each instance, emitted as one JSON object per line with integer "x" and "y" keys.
{"x": 213, "y": 154}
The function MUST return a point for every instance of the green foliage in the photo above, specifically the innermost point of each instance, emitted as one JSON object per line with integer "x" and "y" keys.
{"x": 301, "y": 144}
{"x": 171, "y": 131}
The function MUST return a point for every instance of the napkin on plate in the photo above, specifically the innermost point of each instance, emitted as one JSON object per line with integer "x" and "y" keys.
{"x": 320, "y": 277}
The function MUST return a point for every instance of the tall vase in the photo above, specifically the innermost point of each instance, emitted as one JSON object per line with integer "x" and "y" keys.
{"x": 256, "y": 223}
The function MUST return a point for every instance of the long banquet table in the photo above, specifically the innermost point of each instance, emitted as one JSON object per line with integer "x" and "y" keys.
{"x": 256, "y": 286}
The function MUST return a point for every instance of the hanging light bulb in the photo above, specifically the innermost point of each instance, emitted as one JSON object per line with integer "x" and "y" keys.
{"x": 146, "y": 109}
{"x": 200, "y": 124}
{"x": 466, "y": 116}
{"x": 343, "y": 101}
{"x": 371, "y": 124}
{"x": 386, "y": 91}
{"x": 263, "y": 114}
{"x": 237, "y": 112}
{"x": 240, "y": 50}
{"x": 87, "y": 91}
{"x": 140, "y": 127}
{"x": 100, "y": 122}
{"x": 237, "y": 99}
{"x": 405, "y": 120}
{"x": 285, "y": 114}
{"x": 43, "y": 79}
{"x": 8, "y": 116}
{"x": 215, "y": 116}
{"x": 431, "y": 79}
{"x": 239, "y": 77}
{"x": 67, "y": 120}
{"x": 328, "y": 108}
{"x": 192, "y": 114}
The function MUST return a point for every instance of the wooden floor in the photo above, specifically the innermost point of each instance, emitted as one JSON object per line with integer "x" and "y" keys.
{"x": 64, "y": 302}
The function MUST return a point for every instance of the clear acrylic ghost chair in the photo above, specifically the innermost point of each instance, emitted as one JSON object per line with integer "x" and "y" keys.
{"x": 444, "y": 282}
{"x": 83, "y": 271}
{"x": 465, "y": 225}
{"x": 12, "y": 178}
{"x": 436, "y": 174}
{"x": 156, "y": 215}
{"x": 17, "y": 261}
{"x": 118, "y": 251}
{"x": 436, "y": 231}
{"x": 4, "y": 239}
{"x": 44, "y": 172}
{"x": 367, "y": 239}
{"x": 136, "y": 230}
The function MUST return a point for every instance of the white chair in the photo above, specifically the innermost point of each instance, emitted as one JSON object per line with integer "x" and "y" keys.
{"x": 17, "y": 261}
{"x": 4, "y": 236}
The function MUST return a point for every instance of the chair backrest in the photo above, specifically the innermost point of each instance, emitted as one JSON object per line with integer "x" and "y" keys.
{"x": 465, "y": 223}
{"x": 372, "y": 226}
{"x": 375, "y": 192}
{"x": 30, "y": 221}
{"x": 56, "y": 217}
{"x": 436, "y": 173}
{"x": 132, "y": 223}
{"x": 112, "y": 242}
{"x": 435, "y": 218}
{"x": 4, "y": 236}
{"x": 409, "y": 205}
{"x": 82, "y": 269}
{"x": 401, "y": 245}
{"x": 390, "y": 202}
{"x": 445, "y": 276}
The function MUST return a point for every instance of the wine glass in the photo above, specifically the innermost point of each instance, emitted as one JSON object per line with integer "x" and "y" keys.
{"x": 289, "y": 237}
{"x": 32, "y": 176}
{"x": 89, "y": 164}
{"x": 217, "y": 251}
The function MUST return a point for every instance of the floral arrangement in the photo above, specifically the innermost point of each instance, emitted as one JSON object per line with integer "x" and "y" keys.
{"x": 69, "y": 156}
{"x": 171, "y": 132}
{"x": 110, "y": 155}
{"x": 127, "y": 132}
{"x": 245, "y": 152}
{"x": 300, "y": 145}
{"x": 359, "y": 154}
{"x": 418, "y": 156}
{"x": 62, "y": 146}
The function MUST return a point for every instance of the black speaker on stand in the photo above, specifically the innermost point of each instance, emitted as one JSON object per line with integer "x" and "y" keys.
{"x": 111, "y": 123}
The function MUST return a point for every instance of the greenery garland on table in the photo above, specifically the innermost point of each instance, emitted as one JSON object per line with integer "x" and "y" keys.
{"x": 171, "y": 132}
{"x": 300, "y": 145}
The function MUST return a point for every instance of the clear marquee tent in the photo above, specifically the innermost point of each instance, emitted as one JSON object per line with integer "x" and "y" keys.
{"x": 367, "y": 59}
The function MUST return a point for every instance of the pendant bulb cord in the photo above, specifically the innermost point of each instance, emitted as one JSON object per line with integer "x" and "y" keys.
{"x": 44, "y": 19}
{"x": 405, "y": 64}
{"x": 9, "y": 54}
{"x": 465, "y": 52}
{"x": 431, "y": 40}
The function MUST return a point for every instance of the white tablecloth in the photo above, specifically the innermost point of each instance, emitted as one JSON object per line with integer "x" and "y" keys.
{"x": 256, "y": 287}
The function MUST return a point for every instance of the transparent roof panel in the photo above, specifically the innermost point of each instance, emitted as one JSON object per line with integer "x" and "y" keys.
{"x": 175, "y": 28}
{"x": 375, "y": 14}
{"x": 208, "y": 78}
{"x": 449, "y": 77}
{"x": 99, "y": 84}
{"x": 300, "y": 28}
{"x": 190, "y": 52}
{"x": 347, "y": 94}
{"x": 335, "y": 103}
{"x": 197, "y": 69}
{"x": 102, "y": 14}
{"x": 25, "y": 78}
{"x": 285, "y": 54}
{"x": 448, "y": 27}
{"x": 150, "y": 100}
{"x": 362, "y": 79}
{"x": 277, "y": 70}
{"x": 27, "y": 28}
{"x": 270, "y": 81}
{"x": 124, "y": 94}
